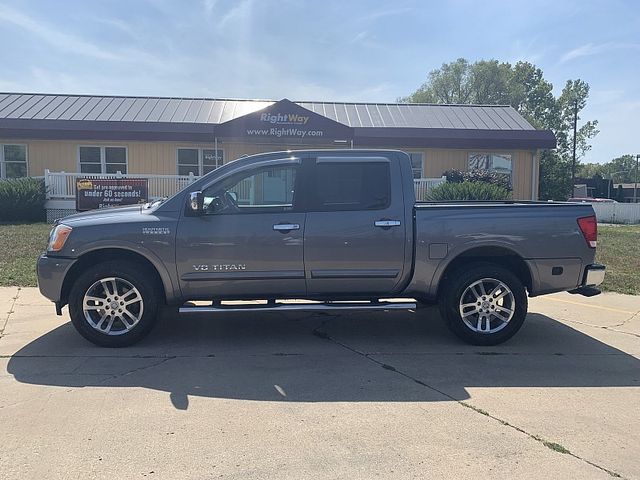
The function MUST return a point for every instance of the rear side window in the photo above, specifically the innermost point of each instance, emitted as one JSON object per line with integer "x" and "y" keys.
{"x": 341, "y": 186}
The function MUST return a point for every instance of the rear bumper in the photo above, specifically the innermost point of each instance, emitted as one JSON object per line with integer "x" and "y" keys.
{"x": 593, "y": 276}
{"x": 51, "y": 274}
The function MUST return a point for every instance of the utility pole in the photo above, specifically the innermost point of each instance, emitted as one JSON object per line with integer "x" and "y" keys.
{"x": 575, "y": 132}
{"x": 635, "y": 185}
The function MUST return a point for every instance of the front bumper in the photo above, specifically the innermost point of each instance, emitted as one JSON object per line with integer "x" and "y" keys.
{"x": 51, "y": 274}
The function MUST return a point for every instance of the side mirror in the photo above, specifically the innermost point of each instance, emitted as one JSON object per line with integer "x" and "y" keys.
{"x": 196, "y": 200}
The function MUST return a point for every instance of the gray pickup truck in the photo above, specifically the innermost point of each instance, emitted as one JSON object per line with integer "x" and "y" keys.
{"x": 316, "y": 230}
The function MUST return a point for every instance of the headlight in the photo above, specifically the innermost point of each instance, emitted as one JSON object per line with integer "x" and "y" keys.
{"x": 58, "y": 237}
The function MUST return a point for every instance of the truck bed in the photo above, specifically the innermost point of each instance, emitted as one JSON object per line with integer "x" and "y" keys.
{"x": 545, "y": 235}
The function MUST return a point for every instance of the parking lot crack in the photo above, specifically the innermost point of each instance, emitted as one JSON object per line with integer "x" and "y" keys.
{"x": 610, "y": 327}
{"x": 138, "y": 369}
{"x": 6, "y": 319}
{"x": 556, "y": 447}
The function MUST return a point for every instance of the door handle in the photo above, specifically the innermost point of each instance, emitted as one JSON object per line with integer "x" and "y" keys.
{"x": 387, "y": 223}
{"x": 286, "y": 227}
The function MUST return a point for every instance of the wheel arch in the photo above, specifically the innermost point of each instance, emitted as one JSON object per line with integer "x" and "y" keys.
{"x": 102, "y": 254}
{"x": 497, "y": 255}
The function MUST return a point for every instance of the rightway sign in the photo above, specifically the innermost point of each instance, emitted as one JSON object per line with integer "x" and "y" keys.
{"x": 288, "y": 121}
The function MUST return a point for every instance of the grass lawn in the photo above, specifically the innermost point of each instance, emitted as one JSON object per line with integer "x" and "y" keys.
{"x": 20, "y": 245}
{"x": 618, "y": 249}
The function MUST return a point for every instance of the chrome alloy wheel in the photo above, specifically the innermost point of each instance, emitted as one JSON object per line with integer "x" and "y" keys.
{"x": 112, "y": 306}
{"x": 487, "y": 305}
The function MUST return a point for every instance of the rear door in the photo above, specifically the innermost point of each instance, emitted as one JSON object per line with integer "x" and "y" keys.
{"x": 355, "y": 229}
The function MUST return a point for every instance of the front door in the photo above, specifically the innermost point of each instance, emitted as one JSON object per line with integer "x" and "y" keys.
{"x": 356, "y": 226}
{"x": 249, "y": 242}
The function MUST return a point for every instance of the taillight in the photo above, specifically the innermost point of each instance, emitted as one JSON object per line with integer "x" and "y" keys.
{"x": 589, "y": 228}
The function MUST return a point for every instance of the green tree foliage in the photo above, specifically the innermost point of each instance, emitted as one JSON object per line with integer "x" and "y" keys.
{"x": 574, "y": 94}
{"x": 621, "y": 169}
{"x": 467, "y": 191}
{"x": 524, "y": 87}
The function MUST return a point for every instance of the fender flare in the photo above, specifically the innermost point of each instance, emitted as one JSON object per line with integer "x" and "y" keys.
{"x": 467, "y": 247}
{"x": 170, "y": 290}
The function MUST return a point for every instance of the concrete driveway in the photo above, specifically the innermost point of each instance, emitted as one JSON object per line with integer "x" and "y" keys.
{"x": 320, "y": 396}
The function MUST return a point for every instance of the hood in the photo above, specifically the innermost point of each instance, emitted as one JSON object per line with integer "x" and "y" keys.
{"x": 107, "y": 215}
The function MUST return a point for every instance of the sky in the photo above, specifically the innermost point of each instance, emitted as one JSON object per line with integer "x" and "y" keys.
{"x": 368, "y": 51}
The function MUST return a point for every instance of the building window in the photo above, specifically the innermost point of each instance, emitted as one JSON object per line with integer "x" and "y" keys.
{"x": 13, "y": 161}
{"x": 199, "y": 161}
{"x": 94, "y": 159}
{"x": 417, "y": 164}
{"x": 494, "y": 162}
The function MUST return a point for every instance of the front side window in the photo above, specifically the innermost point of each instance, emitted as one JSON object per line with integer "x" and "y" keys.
{"x": 341, "y": 186}
{"x": 96, "y": 159}
{"x": 417, "y": 164}
{"x": 263, "y": 190}
{"x": 199, "y": 161}
{"x": 13, "y": 161}
{"x": 494, "y": 162}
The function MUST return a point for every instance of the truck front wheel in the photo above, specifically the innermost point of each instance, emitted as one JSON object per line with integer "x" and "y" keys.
{"x": 114, "y": 304}
{"x": 484, "y": 304}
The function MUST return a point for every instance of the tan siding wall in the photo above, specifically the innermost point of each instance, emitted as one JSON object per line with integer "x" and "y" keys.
{"x": 160, "y": 157}
{"x": 437, "y": 161}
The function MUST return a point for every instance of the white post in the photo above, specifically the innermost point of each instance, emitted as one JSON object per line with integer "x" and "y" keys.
{"x": 46, "y": 183}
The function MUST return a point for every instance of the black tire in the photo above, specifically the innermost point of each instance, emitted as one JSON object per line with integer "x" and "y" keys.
{"x": 457, "y": 283}
{"x": 138, "y": 275}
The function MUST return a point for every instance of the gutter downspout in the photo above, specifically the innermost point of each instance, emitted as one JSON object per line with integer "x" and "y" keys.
{"x": 534, "y": 174}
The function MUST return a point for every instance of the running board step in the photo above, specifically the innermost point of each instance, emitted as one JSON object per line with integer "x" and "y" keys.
{"x": 300, "y": 307}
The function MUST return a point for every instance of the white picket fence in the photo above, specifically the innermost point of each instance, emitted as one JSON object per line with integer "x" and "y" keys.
{"x": 423, "y": 185}
{"x": 617, "y": 212}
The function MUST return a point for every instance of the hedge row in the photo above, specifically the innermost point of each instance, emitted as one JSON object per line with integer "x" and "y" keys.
{"x": 478, "y": 175}
{"x": 467, "y": 191}
{"x": 22, "y": 199}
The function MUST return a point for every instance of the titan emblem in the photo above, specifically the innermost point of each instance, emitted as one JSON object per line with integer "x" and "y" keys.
{"x": 220, "y": 268}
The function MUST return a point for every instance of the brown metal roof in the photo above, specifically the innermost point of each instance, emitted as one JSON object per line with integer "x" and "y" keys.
{"x": 30, "y": 106}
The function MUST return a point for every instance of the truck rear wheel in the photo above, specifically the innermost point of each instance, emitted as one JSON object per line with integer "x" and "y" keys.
{"x": 484, "y": 304}
{"x": 114, "y": 304}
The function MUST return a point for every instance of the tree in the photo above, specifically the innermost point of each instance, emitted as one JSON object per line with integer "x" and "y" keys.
{"x": 572, "y": 101}
{"x": 620, "y": 169}
{"x": 555, "y": 176}
{"x": 524, "y": 87}
{"x": 589, "y": 170}
{"x": 532, "y": 96}
{"x": 484, "y": 82}
{"x": 449, "y": 84}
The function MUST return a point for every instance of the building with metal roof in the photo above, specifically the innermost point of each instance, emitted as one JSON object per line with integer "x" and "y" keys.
{"x": 91, "y": 134}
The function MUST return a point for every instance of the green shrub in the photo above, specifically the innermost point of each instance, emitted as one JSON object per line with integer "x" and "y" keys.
{"x": 478, "y": 175}
{"x": 22, "y": 199}
{"x": 467, "y": 191}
